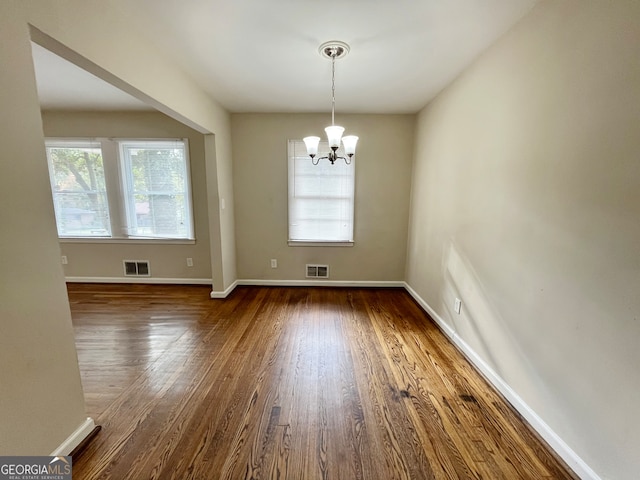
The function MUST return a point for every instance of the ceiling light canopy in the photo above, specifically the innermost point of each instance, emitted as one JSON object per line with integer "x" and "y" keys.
{"x": 333, "y": 50}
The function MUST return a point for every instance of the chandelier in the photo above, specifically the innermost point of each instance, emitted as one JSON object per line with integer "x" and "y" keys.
{"x": 333, "y": 50}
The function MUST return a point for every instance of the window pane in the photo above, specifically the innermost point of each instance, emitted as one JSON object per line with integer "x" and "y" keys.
{"x": 321, "y": 197}
{"x": 156, "y": 186}
{"x": 79, "y": 191}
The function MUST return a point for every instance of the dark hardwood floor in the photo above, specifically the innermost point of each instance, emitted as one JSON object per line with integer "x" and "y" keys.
{"x": 286, "y": 383}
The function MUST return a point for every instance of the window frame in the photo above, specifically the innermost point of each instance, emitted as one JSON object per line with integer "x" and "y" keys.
{"x": 293, "y": 145}
{"x": 128, "y": 189}
{"x": 76, "y": 143}
{"x": 116, "y": 190}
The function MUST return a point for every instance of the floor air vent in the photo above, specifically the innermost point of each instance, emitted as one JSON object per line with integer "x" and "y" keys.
{"x": 317, "y": 271}
{"x": 136, "y": 268}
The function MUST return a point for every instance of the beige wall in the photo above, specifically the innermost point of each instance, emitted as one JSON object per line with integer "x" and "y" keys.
{"x": 526, "y": 205}
{"x": 222, "y": 176}
{"x": 166, "y": 261}
{"x": 383, "y": 165}
{"x": 41, "y": 400}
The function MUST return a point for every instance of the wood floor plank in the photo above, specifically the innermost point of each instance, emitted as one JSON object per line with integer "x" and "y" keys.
{"x": 287, "y": 383}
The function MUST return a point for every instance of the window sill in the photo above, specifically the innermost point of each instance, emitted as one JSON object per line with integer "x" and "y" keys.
{"x": 155, "y": 241}
{"x": 295, "y": 243}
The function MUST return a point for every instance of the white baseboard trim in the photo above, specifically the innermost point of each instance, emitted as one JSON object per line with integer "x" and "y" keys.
{"x": 571, "y": 458}
{"x": 307, "y": 283}
{"x": 323, "y": 283}
{"x": 249, "y": 282}
{"x": 80, "y": 433}
{"x": 148, "y": 280}
{"x": 225, "y": 293}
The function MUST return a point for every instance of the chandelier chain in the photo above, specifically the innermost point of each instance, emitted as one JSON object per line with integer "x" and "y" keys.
{"x": 333, "y": 86}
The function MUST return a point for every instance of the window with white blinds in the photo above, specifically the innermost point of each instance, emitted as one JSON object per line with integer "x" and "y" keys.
{"x": 121, "y": 189}
{"x": 79, "y": 188}
{"x": 156, "y": 189}
{"x": 321, "y": 197}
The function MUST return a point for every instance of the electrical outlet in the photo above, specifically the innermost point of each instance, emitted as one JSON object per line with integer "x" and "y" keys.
{"x": 274, "y": 263}
{"x": 189, "y": 262}
{"x": 64, "y": 259}
{"x": 457, "y": 306}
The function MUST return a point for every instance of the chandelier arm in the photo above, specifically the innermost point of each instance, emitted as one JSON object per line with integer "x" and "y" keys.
{"x": 316, "y": 160}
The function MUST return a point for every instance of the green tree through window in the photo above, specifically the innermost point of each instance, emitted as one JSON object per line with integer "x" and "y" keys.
{"x": 79, "y": 190}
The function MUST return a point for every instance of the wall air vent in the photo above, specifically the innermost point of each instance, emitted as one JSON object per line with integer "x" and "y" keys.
{"x": 317, "y": 271}
{"x": 136, "y": 268}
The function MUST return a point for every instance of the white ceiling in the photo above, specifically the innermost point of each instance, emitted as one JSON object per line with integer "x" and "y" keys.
{"x": 262, "y": 55}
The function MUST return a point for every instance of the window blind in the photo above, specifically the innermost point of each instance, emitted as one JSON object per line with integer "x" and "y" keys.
{"x": 321, "y": 197}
